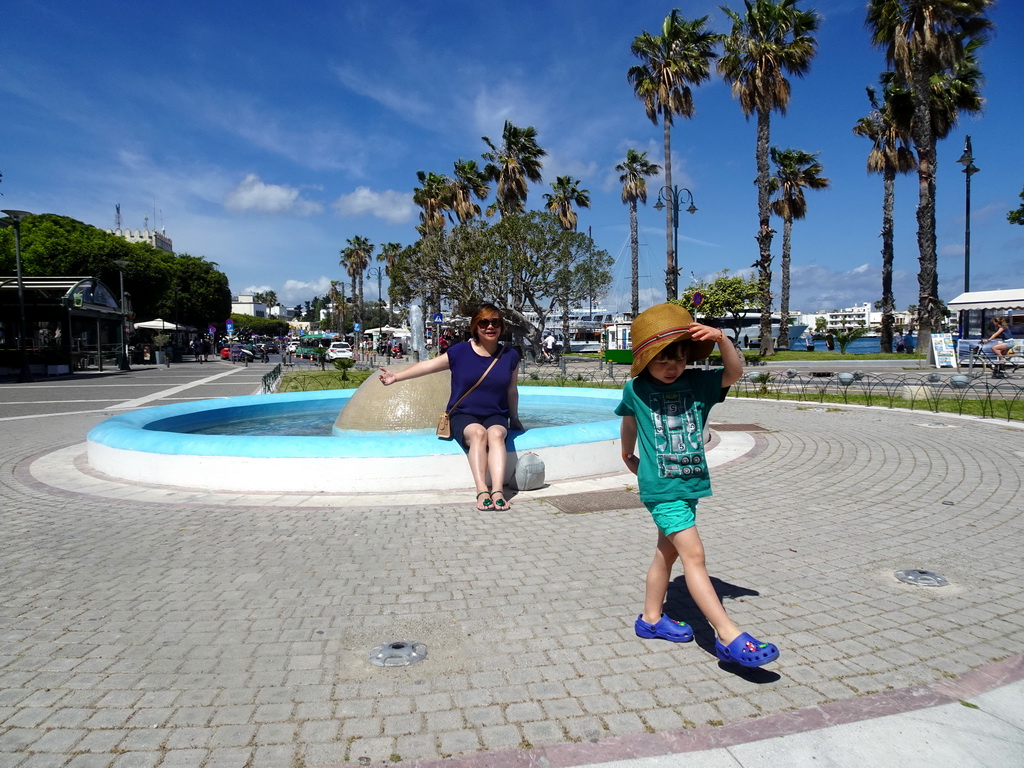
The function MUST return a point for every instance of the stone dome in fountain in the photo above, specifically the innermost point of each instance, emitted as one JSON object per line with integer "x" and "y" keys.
{"x": 405, "y": 405}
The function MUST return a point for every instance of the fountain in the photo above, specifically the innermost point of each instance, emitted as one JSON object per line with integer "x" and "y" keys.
{"x": 160, "y": 445}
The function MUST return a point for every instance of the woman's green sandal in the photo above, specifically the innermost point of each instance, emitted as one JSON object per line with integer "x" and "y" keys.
{"x": 487, "y": 503}
{"x": 499, "y": 503}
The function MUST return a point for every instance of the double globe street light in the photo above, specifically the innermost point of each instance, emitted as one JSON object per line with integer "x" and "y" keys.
{"x": 671, "y": 196}
{"x": 967, "y": 161}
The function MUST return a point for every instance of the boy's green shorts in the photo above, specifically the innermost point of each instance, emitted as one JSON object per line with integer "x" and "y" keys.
{"x": 674, "y": 516}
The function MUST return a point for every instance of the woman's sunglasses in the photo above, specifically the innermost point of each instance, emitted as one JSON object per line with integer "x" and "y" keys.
{"x": 488, "y": 322}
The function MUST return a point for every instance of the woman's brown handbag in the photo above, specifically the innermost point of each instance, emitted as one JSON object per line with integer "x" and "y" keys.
{"x": 444, "y": 427}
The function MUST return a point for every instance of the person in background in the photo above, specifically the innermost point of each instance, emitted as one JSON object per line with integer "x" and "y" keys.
{"x": 483, "y": 418}
{"x": 1000, "y": 338}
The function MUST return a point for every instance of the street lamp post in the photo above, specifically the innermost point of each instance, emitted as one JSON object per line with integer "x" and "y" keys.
{"x": 967, "y": 161}
{"x": 24, "y": 374}
{"x": 123, "y": 364}
{"x": 671, "y": 196}
{"x": 377, "y": 272}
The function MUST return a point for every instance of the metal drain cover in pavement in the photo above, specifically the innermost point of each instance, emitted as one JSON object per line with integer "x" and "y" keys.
{"x": 401, "y": 653}
{"x": 921, "y": 578}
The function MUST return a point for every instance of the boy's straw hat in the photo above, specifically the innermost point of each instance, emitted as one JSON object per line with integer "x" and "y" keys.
{"x": 656, "y": 328}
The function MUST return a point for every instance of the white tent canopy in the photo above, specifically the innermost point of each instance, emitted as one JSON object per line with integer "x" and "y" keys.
{"x": 162, "y": 325}
{"x": 1005, "y": 300}
{"x": 389, "y": 329}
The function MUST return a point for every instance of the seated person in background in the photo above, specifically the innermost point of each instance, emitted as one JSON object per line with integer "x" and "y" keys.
{"x": 1000, "y": 338}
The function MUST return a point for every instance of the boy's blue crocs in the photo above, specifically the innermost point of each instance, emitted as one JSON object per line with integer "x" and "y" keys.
{"x": 746, "y": 651}
{"x": 666, "y": 629}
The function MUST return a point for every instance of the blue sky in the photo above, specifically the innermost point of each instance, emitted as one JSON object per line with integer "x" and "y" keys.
{"x": 262, "y": 137}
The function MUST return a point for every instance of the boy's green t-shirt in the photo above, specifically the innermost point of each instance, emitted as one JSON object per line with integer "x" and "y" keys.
{"x": 670, "y": 421}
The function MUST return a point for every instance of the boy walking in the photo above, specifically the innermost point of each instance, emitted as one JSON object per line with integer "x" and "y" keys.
{"x": 664, "y": 409}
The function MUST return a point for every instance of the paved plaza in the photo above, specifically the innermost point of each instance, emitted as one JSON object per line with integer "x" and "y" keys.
{"x": 144, "y": 626}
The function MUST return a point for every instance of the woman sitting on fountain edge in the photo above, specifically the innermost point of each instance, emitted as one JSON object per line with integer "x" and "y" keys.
{"x": 482, "y": 420}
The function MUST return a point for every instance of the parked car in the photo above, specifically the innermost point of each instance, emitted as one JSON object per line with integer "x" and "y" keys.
{"x": 339, "y": 350}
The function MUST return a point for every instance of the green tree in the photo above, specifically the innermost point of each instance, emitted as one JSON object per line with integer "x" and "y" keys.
{"x": 566, "y": 194}
{"x": 635, "y": 169}
{"x": 513, "y": 164}
{"x": 924, "y": 42}
{"x": 795, "y": 170}
{"x": 888, "y": 128}
{"x": 536, "y": 265}
{"x": 1017, "y": 216}
{"x": 671, "y": 62}
{"x": 768, "y": 42}
{"x": 724, "y": 301}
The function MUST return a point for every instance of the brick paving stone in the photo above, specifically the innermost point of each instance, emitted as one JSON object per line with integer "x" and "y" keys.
{"x": 137, "y": 760}
{"x": 416, "y": 747}
{"x": 273, "y": 756}
{"x": 360, "y": 750}
{"x": 500, "y": 737}
{"x": 228, "y": 758}
{"x": 457, "y": 742}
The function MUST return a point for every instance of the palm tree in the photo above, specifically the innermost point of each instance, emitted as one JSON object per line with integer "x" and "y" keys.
{"x": 888, "y": 127}
{"x": 795, "y": 170}
{"x": 432, "y": 198}
{"x": 925, "y": 40}
{"x": 470, "y": 181}
{"x": 513, "y": 164}
{"x": 388, "y": 255}
{"x": 671, "y": 62}
{"x": 567, "y": 193}
{"x": 635, "y": 169}
{"x": 337, "y": 302}
{"x": 356, "y": 258}
{"x": 768, "y": 42}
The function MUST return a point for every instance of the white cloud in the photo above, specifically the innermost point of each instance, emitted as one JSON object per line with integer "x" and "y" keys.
{"x": 294, "y": 291}
{"x": 253, "y": 194}
{"x": 394, "y": 207}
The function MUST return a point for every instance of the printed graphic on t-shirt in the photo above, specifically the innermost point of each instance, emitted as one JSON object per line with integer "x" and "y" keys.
{"x": 678, "y": 435}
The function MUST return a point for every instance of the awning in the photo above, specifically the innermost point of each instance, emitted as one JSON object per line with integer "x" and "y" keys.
{"x": 1002, "y": 300}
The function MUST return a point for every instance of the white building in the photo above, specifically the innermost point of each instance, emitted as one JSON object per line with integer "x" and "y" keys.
{"x": 857, "y": 316}
{"x": 158, "y": 239}
{"x": 247, "y": 305}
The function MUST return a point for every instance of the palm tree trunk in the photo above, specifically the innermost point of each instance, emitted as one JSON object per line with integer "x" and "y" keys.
{"x": 634, "y": 250}
{"x": 927, "y": 276}
{"x": 670, "y": 274}
{"x": 888, "y": 301}
{"x": 787, "y": 231}
{"x": 764, "y": 232}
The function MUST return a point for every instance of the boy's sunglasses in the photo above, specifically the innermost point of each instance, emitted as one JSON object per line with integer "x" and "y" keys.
{"x": 488, "y": 322}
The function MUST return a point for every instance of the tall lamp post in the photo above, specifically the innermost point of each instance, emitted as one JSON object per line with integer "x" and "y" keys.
{"x": 967, "y": 161}
{"x": 123, "y": 364}
{"x": 377, "y": 272}
{"x": 671, "y": 196}
{"x": 23, "y": 374}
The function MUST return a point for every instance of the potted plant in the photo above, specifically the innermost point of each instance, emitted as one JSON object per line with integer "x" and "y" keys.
{"x": 160, "y": 342}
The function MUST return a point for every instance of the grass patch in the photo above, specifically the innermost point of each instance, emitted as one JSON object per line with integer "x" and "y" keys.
{"x": 309, "y": 381}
